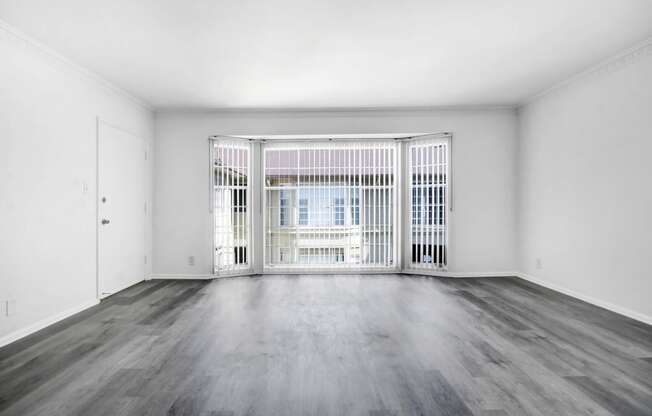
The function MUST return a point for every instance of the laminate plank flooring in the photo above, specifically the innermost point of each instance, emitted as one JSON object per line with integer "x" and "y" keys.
{"x": 375, "y": 345}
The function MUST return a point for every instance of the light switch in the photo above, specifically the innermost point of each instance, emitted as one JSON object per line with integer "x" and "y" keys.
{"x": 10, "y": 307}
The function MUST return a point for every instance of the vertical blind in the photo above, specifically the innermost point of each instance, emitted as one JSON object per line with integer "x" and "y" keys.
{"x": 231, "y": 163}
{"x": 428, "y": 193}
{"x": 330, "y": 204}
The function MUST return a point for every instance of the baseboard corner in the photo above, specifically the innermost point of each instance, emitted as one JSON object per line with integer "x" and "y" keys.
{"x": 43, "y": 323}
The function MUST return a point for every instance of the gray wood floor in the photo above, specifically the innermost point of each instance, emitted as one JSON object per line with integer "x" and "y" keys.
{"x": 333, "y": 345}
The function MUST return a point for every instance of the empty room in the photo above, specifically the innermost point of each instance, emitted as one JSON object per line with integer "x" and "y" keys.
{"x": 325, "y": 207}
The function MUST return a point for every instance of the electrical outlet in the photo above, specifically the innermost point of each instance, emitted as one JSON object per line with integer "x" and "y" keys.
{"x": 538, "y": 263}
{"x": 191, "y": 260}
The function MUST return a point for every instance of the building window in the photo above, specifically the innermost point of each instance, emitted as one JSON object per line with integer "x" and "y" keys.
{"x": 339, "y": 211}
{"x": 355, "y": 207}
{"x": 283, "y": 219}
{"x": 323, "y": 187}
{"x": 284, "y": 255}
{"x": 303, "y": 211}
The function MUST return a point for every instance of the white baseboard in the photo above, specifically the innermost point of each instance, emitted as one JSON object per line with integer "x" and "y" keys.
{"x": 459, "y": 275}
{"x": 589, "y": 299}
{"x": 337, "y": 272}
{"x": 598, "y": 302}
{"x": 172, "y": 276}
{"x": 182, "y": 276}
{"x": 21, "y": 333}
{"x": 126, "y": 286}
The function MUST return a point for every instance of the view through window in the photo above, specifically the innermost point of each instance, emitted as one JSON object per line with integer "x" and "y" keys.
{"x": 330, "y": 204}
{"x": 231, "y": 214}
{"x": 428, "y": 183}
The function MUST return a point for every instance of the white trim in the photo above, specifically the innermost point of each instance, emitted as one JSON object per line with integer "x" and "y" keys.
{"x": 43, "y": 323}
{"x": 330, "y": 271}
{"x": 336, "y": 272}
{"x": 432, "y": 273}
{"x": 182, "y": 276}
{"x": 234, "y": 273}
{"x": 57, "y": 58}
{"x": 589, "y": 299}
{"x": 459, "y": 275}
{"x": 284, "y": 111}
{"x": 283, "y": 138}
{"x": 128, "y": 285}
{"x": 97, "y": 206}
{"x": 21, "y": 333}
{"x": 608, "y": 65}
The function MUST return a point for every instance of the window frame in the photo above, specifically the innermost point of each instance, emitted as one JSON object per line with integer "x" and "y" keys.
{"x": 244, "y": 195}
{"x": 354, "y": 211}
{"x": 434, "y": 217}
{"x": 392, "y": 253}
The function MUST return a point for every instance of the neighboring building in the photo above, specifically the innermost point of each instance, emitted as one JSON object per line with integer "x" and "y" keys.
{"x": 231, "y": 219}
{"x": 317, "y": 225}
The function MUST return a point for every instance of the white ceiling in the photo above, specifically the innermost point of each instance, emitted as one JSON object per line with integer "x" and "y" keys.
{"x": 333, "y": 53}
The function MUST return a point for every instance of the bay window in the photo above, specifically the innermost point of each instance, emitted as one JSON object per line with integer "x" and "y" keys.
{"x": 330, "y": 204}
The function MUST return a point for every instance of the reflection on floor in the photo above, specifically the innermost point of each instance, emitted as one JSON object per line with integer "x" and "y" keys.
{"x": 333, "y": 345}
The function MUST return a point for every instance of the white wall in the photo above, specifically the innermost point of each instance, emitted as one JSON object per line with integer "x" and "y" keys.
{"x": 483, "y": 229}
{"x": 585, "y": 186}
{"x": 48, "y": 111}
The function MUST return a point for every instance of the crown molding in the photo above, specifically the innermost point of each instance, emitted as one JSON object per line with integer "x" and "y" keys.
{"x": 58, "y": 60}
{"x": 331, "y": 110}
{"x": 612, "y": 64}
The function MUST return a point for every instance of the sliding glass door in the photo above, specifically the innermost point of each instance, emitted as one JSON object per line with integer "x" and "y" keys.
{"x": 330, "y": 205}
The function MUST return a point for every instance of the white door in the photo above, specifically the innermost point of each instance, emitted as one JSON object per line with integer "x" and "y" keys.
{"x": 121, "y": 209}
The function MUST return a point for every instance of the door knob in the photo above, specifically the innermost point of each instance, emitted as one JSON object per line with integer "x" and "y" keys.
{"x": 105, "y": 221}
